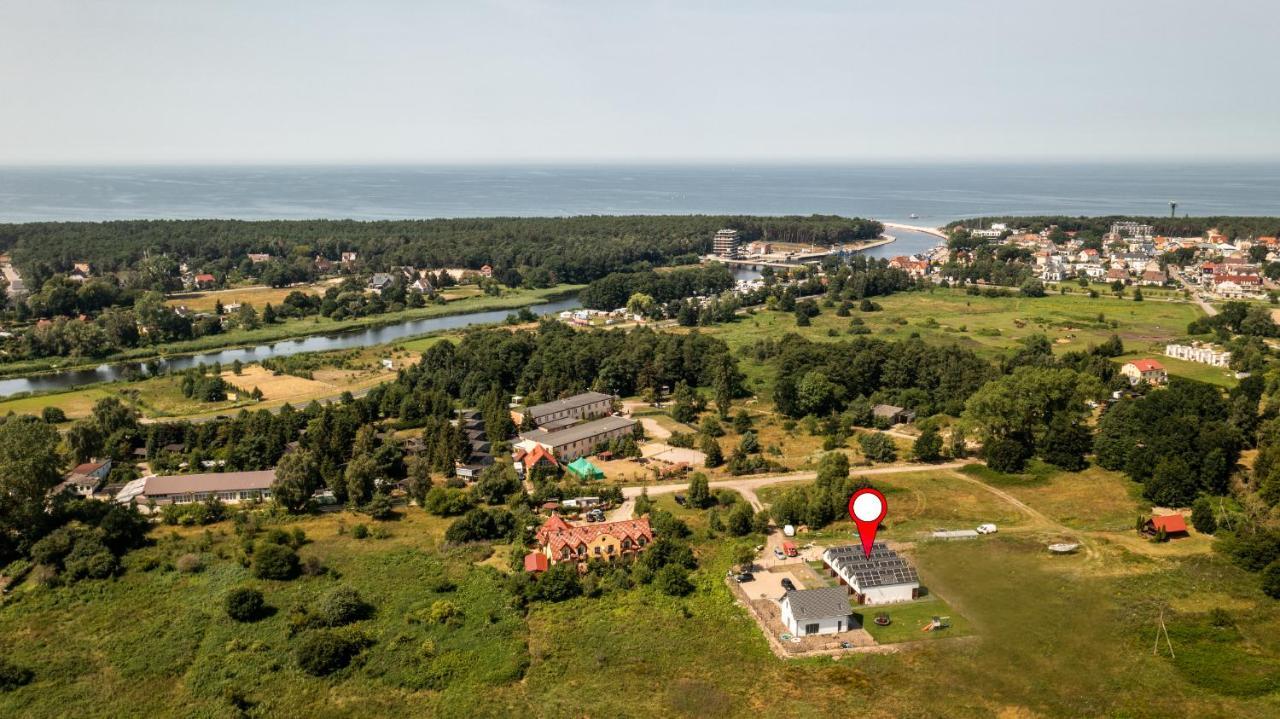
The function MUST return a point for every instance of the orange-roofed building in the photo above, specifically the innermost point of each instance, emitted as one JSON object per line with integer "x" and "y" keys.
{"x": 560, "y": 541}
{"x": 535, "y": 562}
{"x": 538, "y": 455}
{"x": 1145, "y": 370}
{"x": 1171, "y": 524}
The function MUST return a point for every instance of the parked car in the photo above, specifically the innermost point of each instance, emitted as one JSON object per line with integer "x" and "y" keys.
{"x": 788, "y": 585}
{"x": 986, "y": 529}
{"x": 745, "y": 577}
{"x": 778, "y": 553}
{"x": 595, "y": 515}
{"x": 680, "y": 499}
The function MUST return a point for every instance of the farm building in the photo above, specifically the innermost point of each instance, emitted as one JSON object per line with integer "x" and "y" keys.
{"x": 892, "y": 414}
{"x": 882, "y": 578}
{"x": 1172, "y": 524}
{"x": 817, "y": 611}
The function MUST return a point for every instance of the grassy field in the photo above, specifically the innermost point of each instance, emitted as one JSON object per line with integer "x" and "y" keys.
{"x": 1058, "y": 636}
{"x": 987, "y": 325}
{"x": 258, "y": 296}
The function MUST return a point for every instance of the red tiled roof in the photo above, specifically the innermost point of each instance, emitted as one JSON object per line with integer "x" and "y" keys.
{"x": 204, "y": 278}
{"x": 1147, "y": 365}
{"x": 537, "y": 454}
{"x": 535, "y": 562}
{"x": 88, "y": 468}
{"x": 1170, "y": 523}
{"x": 555, "y": 533}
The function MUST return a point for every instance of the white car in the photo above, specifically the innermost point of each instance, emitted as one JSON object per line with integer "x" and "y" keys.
{"x": 986, "y": 529}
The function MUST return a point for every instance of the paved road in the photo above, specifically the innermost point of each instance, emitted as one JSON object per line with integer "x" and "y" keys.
{"x": 1209, "y": 309}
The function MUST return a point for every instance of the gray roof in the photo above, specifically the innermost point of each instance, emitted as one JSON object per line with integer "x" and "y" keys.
{"x": 883, "y": 568}
{"x": 560, "y": 405}
{"x": 823, "y": 603}
{"x": 209, "y": 482}
{"x": 582, "y": 431}
{"x": 885, "y": 410}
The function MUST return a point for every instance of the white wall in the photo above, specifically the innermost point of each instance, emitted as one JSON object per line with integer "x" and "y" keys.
{"x": 889, "y": 593}
{"x": 831, "y": 626}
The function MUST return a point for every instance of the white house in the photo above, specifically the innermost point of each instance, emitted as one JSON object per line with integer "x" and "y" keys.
{"x": 882, "y": 578}
{"x": 1144, "y": 370}
{"x": 817, "y": 611}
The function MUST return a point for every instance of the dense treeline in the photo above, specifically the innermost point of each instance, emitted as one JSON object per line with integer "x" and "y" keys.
{"x": 613, "y": 290}
{"x": 574, "y": 249}
{"x": 1232, "y": 227}
{"x": 820, "y": 378}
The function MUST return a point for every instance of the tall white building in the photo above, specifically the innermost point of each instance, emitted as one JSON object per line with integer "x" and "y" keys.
{"x": 726, "y": 243}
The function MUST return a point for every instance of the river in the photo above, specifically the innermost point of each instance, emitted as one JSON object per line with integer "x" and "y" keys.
{"x": 907, "y": 242}
{"x": 70, "y": 379}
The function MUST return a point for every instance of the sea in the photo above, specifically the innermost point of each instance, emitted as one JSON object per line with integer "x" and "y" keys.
{"x": 913, "y": 194}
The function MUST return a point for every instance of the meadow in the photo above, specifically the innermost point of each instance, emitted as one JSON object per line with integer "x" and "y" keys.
{"x": 1057, "y": 636}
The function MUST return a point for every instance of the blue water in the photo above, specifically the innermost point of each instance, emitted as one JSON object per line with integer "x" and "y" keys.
{"x": 936, "y": 193}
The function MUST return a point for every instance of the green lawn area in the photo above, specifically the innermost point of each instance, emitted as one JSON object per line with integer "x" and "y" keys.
{"x": 908, "y": 618}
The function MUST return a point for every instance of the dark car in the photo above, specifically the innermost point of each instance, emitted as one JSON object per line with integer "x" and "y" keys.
{"x": 745, "y": 577}
{"x": 788, "y": 585}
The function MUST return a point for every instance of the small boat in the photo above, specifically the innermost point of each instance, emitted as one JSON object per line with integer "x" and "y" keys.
{"x": 1064, "y": 547}
{"x": 914, "y": 216}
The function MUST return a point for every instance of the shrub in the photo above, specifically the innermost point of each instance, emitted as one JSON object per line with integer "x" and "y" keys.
{"x": 444, "y": 611}
{"x": 1271, "y": 580}
{"x": 877, "y": 447}
{"x": 274, "y": 561}
{"x": 324, "y": 651}
{"x": 673, "y": 580}
{"x": 342, "y": 606}
{"x": 189, "y": 563}
{"x": 13, "y": 676}
{"x": 1202, "y": 517}
{"x": 244, "y": 604}
{"x": 1005, "y": 455}
{"x": 359, "y": 531}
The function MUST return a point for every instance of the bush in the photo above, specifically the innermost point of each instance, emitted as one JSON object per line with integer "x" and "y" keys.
{"x": 673, "y": 580}
{"x": 359, "y": 531}
{"x": 877, "y": 447}
{"x": 1202, "y": 517}
{"x": 1271, "y": 580}
{"x": 13, "y": 676}
{"x": 324, "y": 651}
{"x": 244, "y": 604}
{"x": 342, "y": 606}
{"x": 1005, "y": 455}
{"x": 189, "y": 563}
{"x": 444, "y": 611}
{"x": 53, "y": 415}
{"x": 274, "y": 561}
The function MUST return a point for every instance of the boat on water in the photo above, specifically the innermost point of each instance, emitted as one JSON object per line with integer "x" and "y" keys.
{"x": 914, "y": 216}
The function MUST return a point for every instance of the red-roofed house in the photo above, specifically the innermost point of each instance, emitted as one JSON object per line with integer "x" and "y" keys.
{"x": 1171, "y": 524}
{"x": 1148, "y": 370}
{"x": 538, "y": 455}
{"x": 560, "y": 541}
{"x": 205, "y": 281}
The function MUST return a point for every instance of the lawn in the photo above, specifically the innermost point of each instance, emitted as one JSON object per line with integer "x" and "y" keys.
{"x": 909, "y": 618}
{"x": 1220, "y": 376}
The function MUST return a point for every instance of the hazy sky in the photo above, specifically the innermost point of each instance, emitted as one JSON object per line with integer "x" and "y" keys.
{"x": 264, "y": 81}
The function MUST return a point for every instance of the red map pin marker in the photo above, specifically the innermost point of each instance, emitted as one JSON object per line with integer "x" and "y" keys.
{"x": 867, "y": 508}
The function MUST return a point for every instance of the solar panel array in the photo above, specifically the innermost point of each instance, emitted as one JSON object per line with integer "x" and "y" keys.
{"x": 883, "y": 567}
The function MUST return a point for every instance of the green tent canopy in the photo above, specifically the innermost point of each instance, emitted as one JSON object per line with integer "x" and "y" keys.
{"x": 585, "y": 469}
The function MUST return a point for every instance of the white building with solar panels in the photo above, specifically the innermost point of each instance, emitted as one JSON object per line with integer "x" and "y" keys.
{"x": 883, "y": 578}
